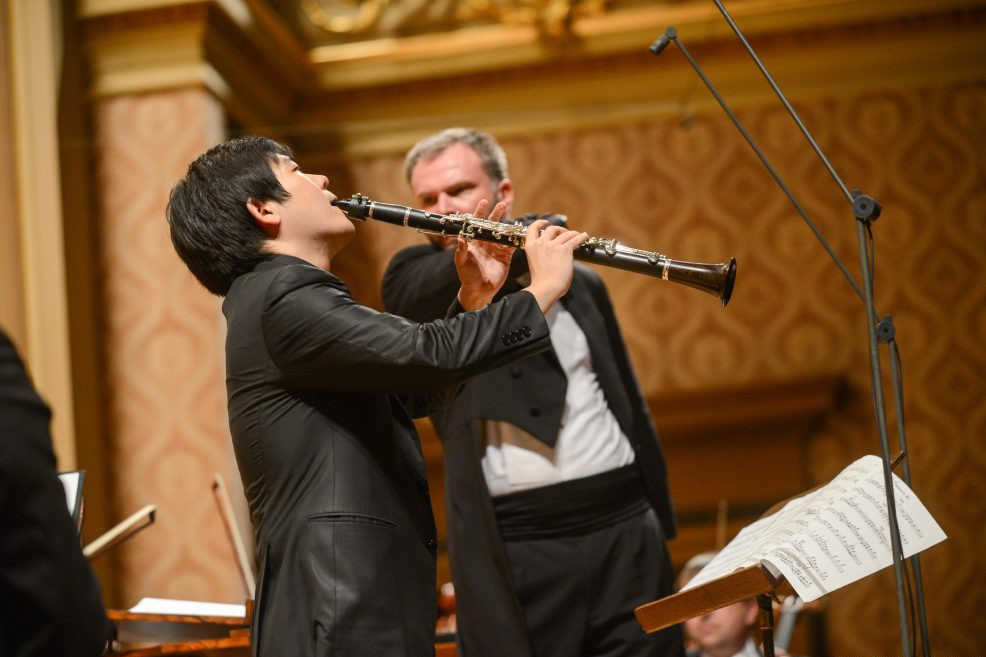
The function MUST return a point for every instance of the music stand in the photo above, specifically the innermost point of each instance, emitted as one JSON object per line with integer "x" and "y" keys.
{"x": 865, "y": 211}
{"x": 160, "y": 632}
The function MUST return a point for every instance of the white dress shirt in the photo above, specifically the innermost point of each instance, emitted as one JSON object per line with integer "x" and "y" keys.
{"x": 590, "y": 440}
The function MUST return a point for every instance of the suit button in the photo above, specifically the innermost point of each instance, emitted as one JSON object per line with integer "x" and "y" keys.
{"x": 527, "y": 331}
{"x": 535, "y": 411}
{"x": 423, "y": 486}
{"x": 432, "y": 546}
{"x": 505, "y": 338}
{"x": 515, "y": 372}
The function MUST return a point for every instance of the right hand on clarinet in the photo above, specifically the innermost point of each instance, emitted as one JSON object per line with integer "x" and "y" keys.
{"x": 550, "y": 258}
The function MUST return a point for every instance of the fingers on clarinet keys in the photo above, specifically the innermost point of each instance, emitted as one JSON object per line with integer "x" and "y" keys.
{"x": 552, "y": 219}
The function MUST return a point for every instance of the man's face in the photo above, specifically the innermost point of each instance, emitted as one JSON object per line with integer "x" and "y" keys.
{"x": 309, "y": 214}
{"x": 725, "y": 630}
{"x": 455, "y": 181}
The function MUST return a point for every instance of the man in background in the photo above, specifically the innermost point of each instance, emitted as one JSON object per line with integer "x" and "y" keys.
{"x": 50, "y": 601}
{"x": 556, "y": 495}
{"x": 724, "y": 632}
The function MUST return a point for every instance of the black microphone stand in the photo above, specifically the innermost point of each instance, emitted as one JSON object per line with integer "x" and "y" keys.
{"x": 865, "y": 210}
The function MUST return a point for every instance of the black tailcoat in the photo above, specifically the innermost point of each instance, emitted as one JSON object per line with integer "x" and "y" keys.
{"x": 321, "y": 393}
{"x": 529, "y": 394}
{"x": 50, "y": 601}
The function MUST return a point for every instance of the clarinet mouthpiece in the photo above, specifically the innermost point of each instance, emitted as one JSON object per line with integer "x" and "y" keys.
{"x": 357, "y": 207}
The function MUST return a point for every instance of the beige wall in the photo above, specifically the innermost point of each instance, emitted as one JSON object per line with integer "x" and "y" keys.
{"x": 11, "y": 281}
{"x": 35, "y": 306}
{"x": 163, "y": 335}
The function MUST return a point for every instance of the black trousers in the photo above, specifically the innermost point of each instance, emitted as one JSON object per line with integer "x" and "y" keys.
{"x": 578, "y": 593}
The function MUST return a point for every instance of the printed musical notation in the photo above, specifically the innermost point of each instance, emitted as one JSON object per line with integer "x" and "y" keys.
{"x": 832, "y": 536}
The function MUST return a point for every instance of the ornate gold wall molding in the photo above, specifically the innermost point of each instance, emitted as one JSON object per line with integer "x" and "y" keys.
{"x": 239, "y": 51}
{"x": 339, "y": 19}
{"x": 475, "y": 48}
{"x": 266, "y": 68}
{"x": 608, "y": 89}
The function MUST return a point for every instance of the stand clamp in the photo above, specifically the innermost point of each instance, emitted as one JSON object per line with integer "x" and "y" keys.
{"x": 864, "y": 207}
{"x": 885, "y": 331}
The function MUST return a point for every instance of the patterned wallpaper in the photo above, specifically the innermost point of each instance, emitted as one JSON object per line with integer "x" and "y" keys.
{"x": 695, "y": 191}
{"x": 167, "y": 405}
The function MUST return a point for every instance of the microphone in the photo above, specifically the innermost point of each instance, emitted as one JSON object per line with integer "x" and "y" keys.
{"x": 662, "y": 42}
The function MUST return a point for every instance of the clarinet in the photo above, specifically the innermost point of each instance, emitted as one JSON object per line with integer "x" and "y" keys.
{"x": 715, "y": 279}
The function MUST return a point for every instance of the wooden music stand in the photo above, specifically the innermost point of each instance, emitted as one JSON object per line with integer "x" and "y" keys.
{"x": 750, "y": 582}
{"x": 174, "y": 634}
{"x": 154, "y": 634}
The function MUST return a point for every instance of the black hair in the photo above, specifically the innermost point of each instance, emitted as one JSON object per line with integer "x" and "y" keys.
{"x": 212, "y": 230}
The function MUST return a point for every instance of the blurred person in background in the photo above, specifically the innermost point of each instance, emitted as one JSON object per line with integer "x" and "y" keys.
{"x": 50, "y": 600}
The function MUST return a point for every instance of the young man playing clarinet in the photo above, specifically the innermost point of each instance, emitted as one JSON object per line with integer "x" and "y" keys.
{"x": 321, "y": 392}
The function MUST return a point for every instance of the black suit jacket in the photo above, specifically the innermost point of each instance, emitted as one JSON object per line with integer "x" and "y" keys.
{"x": 529, "y": 394}
{"x": 50, "y": 602}
{"x": 321, "y": 393}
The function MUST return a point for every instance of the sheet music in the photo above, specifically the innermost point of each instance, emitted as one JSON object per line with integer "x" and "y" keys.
{"x": 72, "y": 483}
{"x": 833, "y": 536}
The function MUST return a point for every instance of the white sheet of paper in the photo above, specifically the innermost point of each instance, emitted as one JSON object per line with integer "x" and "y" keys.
{"x": 70, "y": 481}
{"x": 188, "y": 608}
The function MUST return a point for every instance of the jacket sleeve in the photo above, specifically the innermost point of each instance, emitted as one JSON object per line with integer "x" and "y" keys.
{"x": 319, "y": 337}
{"x": 420, "y": 283}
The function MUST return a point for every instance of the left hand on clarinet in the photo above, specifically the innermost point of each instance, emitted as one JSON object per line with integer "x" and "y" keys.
{"x": 482, "y": 266}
